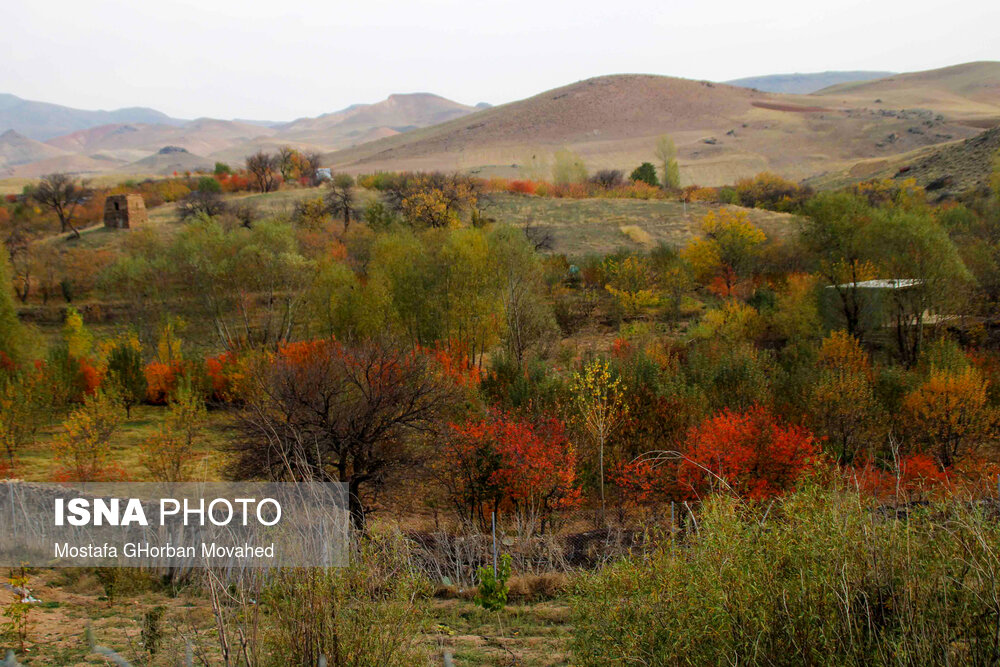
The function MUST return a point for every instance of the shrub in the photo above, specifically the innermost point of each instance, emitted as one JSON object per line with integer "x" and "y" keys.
{"x": 816, "y": 579}
{"x": 365, "y": 614}
{"x": 767, "y": 190}
{"x": 522, "y": 187}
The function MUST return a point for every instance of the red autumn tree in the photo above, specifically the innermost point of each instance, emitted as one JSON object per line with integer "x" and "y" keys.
{"x": 752, "y": 452}
{"x": 916, "y": 476}
{"x": 222, "y": 372}
{"x": 503, "y": 463}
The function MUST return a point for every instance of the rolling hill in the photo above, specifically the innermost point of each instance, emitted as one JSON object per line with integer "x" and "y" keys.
{"x": 969, "y": 92}
{"x": 17, "y": 149}
{"x": 363, "y": 122}
{"x": 116, "y": 145}
{"x": 134, "y": 141}
{"x": 803, "y": 84}
{"x": 722, "y": 132}
{"x": 41, "y": 120}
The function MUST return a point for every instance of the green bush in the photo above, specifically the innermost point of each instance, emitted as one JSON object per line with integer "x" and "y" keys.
{"x": 492, "y": 595}
{"x": 820, "y": 579}
{"x": 209, "y": 184}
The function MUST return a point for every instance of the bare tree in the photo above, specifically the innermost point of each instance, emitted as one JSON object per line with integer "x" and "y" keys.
{"x": 540, "y": 237}
{"x": 202, "y": 203}
{"x": 340, "y": 198}
{"x": 61, "y": 194}
{"x": 608, "y": 178}
{"x": 339, "y": 413}
{"x": 246, "y": 213}
{"x": 262, "y": 168}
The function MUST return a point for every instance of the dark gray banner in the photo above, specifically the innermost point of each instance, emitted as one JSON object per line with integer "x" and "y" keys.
{"x": 228, "y": 525}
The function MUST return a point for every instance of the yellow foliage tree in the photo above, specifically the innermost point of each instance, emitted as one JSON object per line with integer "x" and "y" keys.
{"x": 600, "y": 402}
{"x": 843, "y": 404}
{"x": 82, "y": 448}
{"x": 734, "y": 322}
{"x": 950, "y": 412}
{"x": 728, "y": 250}
{"x": 630, "y": 281}
{"x": 78, "y": 339}
{"x": 171, "y": 453}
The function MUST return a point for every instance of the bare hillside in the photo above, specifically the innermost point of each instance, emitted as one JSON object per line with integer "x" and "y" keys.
{"x": 969, "y": 92}
{"x": 17, "y": 149}
{"x": 722, "y": 132}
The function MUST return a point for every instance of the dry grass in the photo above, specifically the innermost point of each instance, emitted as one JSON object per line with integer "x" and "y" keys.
{"x": 637, "y": 235}
{"x": 581, "y": 226}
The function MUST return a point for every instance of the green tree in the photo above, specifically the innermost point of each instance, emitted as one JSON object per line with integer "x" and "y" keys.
{"x": 12, "y": 336}
{"x": 913, "y": 249}
{"x": 248, "y": 283}
{"x": 834, "y": 232}
{"x": 527, "y": 314}
{"x": 125, "y": 373}
{"x": 23, "y": 411}
{"x": 666, "y": 155}
{"x": 645, "y": 173}
{"x": 209, "y": 184}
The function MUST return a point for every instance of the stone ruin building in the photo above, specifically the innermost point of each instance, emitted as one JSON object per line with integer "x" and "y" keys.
{"x": 124, "y": 211}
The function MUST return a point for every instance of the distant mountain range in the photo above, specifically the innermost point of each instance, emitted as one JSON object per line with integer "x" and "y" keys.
{"x": 41, "y": 135}
{"x": 41, "y": 120}
{"x": 722, "y": 131}
{"x": 803, "y": 84}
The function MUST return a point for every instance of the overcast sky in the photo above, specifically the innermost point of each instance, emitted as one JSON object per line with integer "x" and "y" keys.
{"x": 283, "y": 59}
